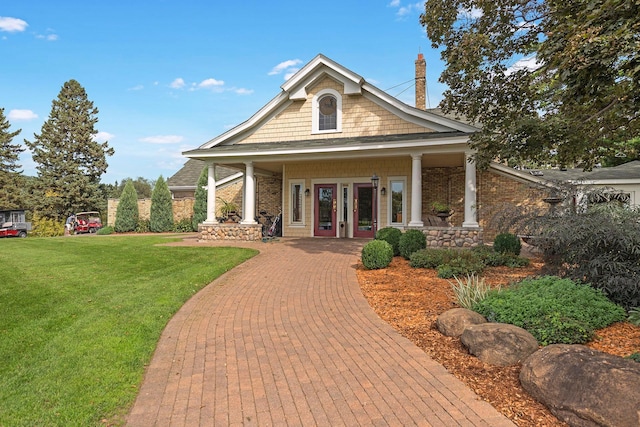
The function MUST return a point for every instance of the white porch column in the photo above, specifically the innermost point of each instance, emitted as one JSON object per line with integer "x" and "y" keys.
{"x": 249, "y": 196}
{"x": 211, "y": 195}
{"x": 416, "y": 191}
{"x": 470, "y": 202}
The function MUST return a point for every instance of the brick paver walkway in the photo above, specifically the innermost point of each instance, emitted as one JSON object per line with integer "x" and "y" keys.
{"x": 288, "y": 339}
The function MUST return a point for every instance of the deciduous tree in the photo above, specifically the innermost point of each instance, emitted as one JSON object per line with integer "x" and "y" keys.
{"x": 10, "y": 176}
{"x": 548, "y": 80}
{"x": 70, "y": 161}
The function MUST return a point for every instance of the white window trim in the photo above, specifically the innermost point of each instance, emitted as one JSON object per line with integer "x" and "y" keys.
{"x": 389, "y": 196}
{"x": 300, "y": 182}
{"x": 315, "y": 112}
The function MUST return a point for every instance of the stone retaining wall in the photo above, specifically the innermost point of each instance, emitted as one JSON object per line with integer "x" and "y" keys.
{"x": 231, "y": 231}
{"x": 453, "y": 237}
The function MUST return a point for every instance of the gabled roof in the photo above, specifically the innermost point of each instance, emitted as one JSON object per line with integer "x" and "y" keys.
{"x": 318, "y": 68}
{"x": 627, "y": 173}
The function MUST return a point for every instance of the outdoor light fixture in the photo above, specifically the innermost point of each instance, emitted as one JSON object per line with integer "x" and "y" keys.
{"x": 374, "y": 181}
{"x": 383, "y": 191}
{"x": 306, "y": 192}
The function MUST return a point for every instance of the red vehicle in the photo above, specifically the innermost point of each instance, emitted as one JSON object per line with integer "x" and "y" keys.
{"x": 13, "y": 224}
{"x": 87, "y": 222}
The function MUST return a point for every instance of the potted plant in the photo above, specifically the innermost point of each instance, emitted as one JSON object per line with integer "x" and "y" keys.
{"x": 227, "y": 209}
{"x": 441, "y": 208}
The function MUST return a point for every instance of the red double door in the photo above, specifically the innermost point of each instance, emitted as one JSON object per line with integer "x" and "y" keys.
{"x": 326, "y": 200}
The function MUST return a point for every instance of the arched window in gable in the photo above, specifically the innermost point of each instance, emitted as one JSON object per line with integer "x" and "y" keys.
{"x": 327, "y": 112}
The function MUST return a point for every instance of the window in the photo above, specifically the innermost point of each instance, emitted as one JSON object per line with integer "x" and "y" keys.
{"x": 397, "y": 201}
{"x": 327, "y": 112}
{"x": 297, "y": 203}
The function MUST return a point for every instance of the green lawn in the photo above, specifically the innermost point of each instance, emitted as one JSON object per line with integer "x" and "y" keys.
{"x": 80, "y": 318}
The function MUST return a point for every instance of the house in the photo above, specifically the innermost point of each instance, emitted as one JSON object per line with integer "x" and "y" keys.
{"x": 342, "y": 158}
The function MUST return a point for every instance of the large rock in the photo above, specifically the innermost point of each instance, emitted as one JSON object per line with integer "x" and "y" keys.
{"x": 453, "y": 322}
{"x": 499, "y": 344}
{"x": 584, "y": 387}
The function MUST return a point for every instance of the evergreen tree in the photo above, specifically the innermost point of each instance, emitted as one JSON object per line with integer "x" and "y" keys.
{"x": 127, "y": 213}
{"x": 161, "y": 218}
{"x": 10, "y": 177}
{"x": 69, "y": 160}
{"x": 200, "y": 204}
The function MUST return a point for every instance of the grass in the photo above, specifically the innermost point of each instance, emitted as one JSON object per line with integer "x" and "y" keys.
{"x": 81, "y": 317}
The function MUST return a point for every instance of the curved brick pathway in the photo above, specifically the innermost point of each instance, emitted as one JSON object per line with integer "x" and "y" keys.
{"x": 288, "y": 339}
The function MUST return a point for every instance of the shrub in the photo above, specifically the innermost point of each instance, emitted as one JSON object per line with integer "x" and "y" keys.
{"x": 507, "y": 243}
{"x": 470, "y": 291}
{"x": 185, "y": 225}
{"x": 45, "y": 227}
{"x": 200, "y": 203}
{"x": 464, "y": 263}
{"x": 430, "y": 258}
{"x": 635, "y": 357}
{"x": 142, "y": 226}
{"x": 127, "y": 212}
{"x": 634, "y": 316}
{"x": 105, "y": 230}
{"x": 161, "y": 214}
{"x": 552, "y": 309}
{"x": 411, "y": 241}
{"x": 377, "y": 254}
{"x": 392, "y": 236}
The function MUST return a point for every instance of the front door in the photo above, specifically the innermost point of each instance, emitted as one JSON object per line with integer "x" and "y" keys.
{"x": 326, "y": 207}
{"x": 363, "y": 213}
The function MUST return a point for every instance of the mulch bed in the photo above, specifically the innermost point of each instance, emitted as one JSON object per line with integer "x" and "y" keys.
{"x": 411, "y": 299}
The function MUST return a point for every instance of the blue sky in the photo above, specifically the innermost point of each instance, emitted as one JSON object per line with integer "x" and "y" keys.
{"x": 167, "y": 76}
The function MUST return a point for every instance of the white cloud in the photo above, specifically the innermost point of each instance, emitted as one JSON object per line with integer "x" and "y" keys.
{"x": 290, "y": 73}
{"x": 163, "y": 139}
{"x": 12, "y": 25}
{"x": 285, "y": 66}
{"x": 22, "y": 115}
{"x": 408, "y": 9}
{"x": 136, "y": 87}
{"x": 529, "y": 63}
{"x": 103, "y": 136}
{"x": 208, "y": 83}
{"x": 48, "y": 37}
{"x": 243, "y": 91}
{"x": 473, "y": 13}
{"x": 178, "y": 83}
{"x": 394, "y": 3}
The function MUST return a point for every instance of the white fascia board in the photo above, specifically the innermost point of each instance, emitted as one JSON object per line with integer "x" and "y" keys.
{"x": 302, "y": 77}
{"x": 181, "y": 187}
{"x": 299, "y": 93}
{"x": 414, "y": 115}
{"x": 230, "y": 178}
{"x": 272, "y": 108}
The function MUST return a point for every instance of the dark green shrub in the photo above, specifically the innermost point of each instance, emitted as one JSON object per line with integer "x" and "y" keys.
{"x": 463, "y": 264}
{"x": 377, "y": 254}
{"x": 507, "y": 243}
{"x": 105, "y": 230}
{"x": 161, "y": 214}
{"x": 635, "y": 357}
{"x": 411, "y": 241}
{"x": 552, "y": 309}
{"x": 142, "y": 226}
{"x": 430, "y": 257}
{"x": 392, "y": 236}
{"x": 127, "y": 212}
{"x": 200, "y": 203}
{"x": 185, "y": 225}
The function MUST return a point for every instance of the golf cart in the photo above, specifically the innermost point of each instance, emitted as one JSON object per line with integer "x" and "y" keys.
{"x": 13, "y": 224}
{"x": 87, "y": 222}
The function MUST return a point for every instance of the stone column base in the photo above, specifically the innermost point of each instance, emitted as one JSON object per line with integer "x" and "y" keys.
{"x": 230, "y": 231}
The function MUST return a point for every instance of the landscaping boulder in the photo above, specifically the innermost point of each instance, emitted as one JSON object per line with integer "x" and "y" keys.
{"x": 499, "y": 344}
{"x": 453, "y": 322}
{"x": 584, "y": 387}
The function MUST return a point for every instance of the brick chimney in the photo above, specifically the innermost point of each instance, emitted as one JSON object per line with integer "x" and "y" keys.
{"x": 421, "y": 82}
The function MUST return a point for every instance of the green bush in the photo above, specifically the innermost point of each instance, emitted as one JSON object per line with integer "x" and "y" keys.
{"x": 464, "y": 263}
{"x": 470, "y": 291}
{"x": 411, "y": 241}
{"x": 392, "y": 236}
{"x": 142, "y": 226}
{"x": 377, "y": 254}
{"x": 45, "y": 227}
{"x": 185, "y": 225}
{"x": 430, "y": 257}
{"x": 507, "y": 243}
{"x": 105, "y": 230}
{"x": 161, "y": 214}
{"x": 552, "y": 309}
{"x": 127, "y": 214}
{"x": 200, "y": 203}
{"x": 635, "y": 357}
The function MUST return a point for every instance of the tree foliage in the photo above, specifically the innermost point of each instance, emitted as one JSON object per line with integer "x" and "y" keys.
{"x": 127, "y": 213}
{"x": 70, "y": 161}
{"x": 143, "y": 186}
{"x": 10, "y": 177}
{"x": 200, "y": 204}
{"x": 161, "y": 217}
{"x": 578, "y": 101}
